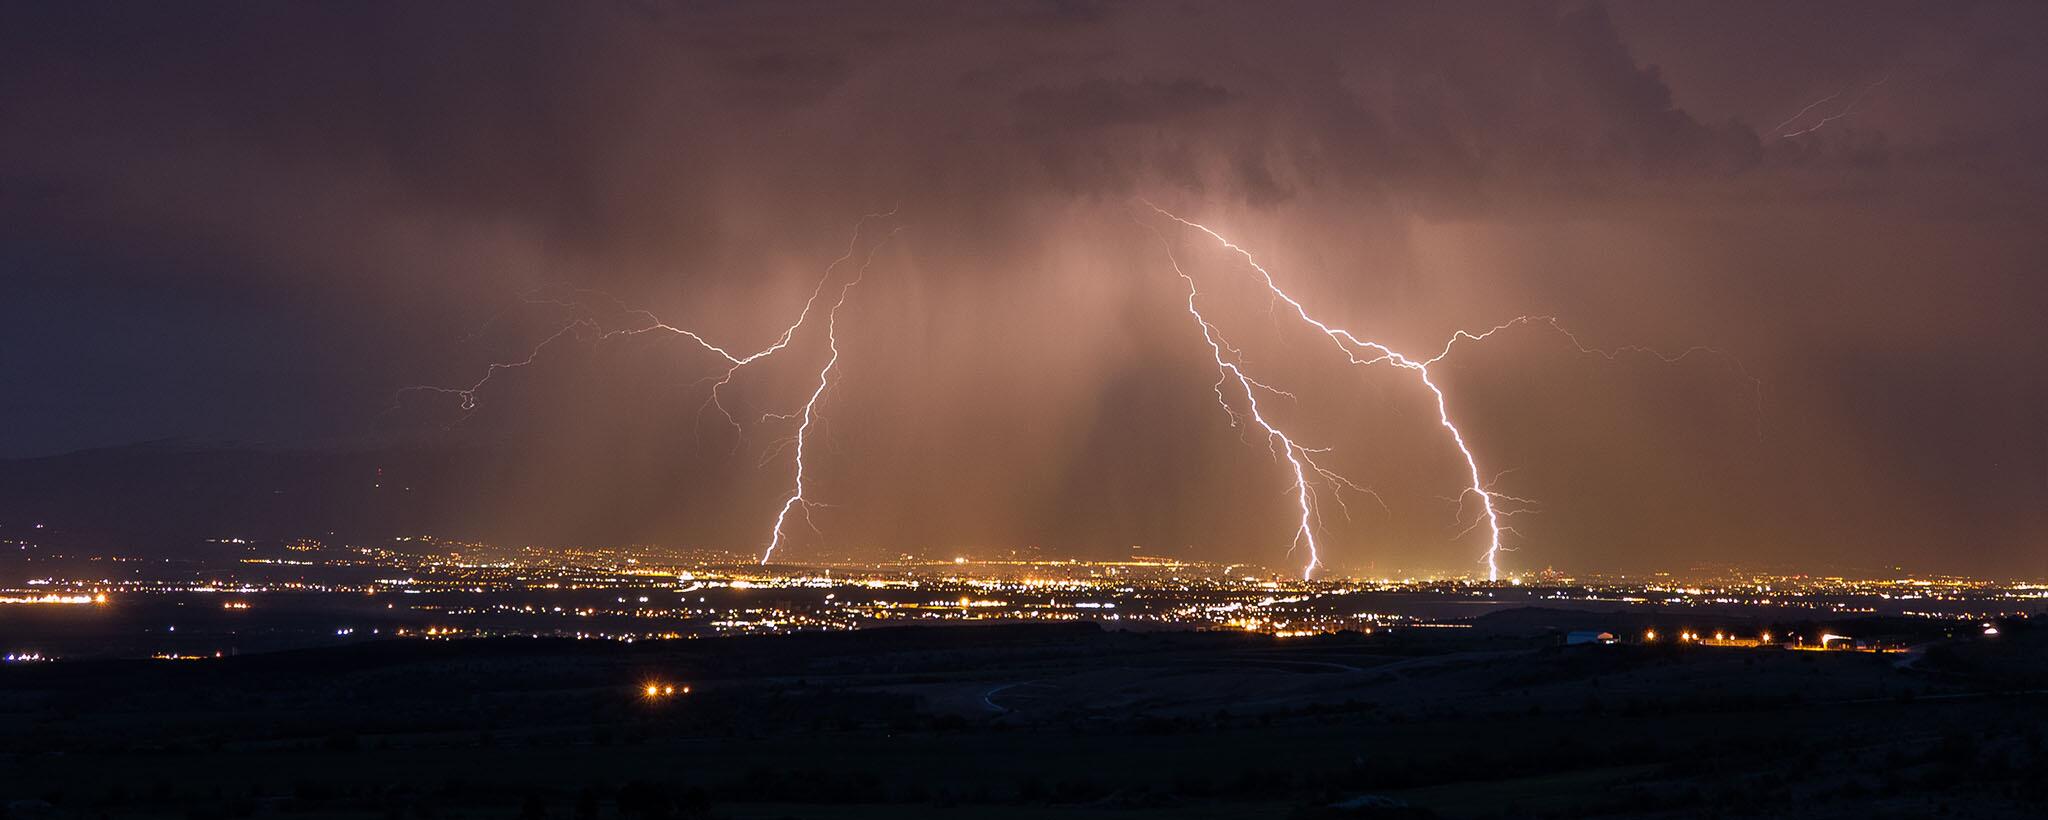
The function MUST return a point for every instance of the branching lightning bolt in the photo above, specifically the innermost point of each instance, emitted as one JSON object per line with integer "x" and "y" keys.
{"x": 584, "y": 320}
{"x": 652, "y": 324}
{"x": 1614, "y": 354}
{"x": 1363, "y": 352}
{"x": 1300, "y": 460}
{"x": 796, "y": 499}
{"x": 1495, "y": 506}
{"x": 736, "y": 362}
{"x": 467, "y": 395}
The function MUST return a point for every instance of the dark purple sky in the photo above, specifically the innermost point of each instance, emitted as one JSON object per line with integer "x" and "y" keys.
{"x": 257, "y": 222}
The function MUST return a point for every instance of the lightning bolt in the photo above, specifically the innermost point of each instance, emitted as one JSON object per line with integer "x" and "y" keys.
{"x": 1615, "y": 354}
{"x": 1850, "y": 108}
{"x": 737, "y": 362}
{"x": 578, "y": 301}
{"x": 584, "y": 319}
{"x": 467, "y": 395}
{"x": 1780, "y": 127}
{"x": 1364, "y": 352}
{"x": 1495, "y": 506}
{"x": 1300, "y": 460}
{"x": 796, "y": 499}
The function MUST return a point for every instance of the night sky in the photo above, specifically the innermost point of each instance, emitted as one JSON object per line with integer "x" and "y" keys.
{"x": 254, "y": 225}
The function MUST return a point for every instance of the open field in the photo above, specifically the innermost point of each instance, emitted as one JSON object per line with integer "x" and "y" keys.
{"x": 1030, "y": 721}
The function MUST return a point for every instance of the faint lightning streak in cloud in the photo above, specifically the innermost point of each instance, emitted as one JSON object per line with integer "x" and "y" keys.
{"x": 1614, "y": 354}
{"x": 468, "y": 394}
{"x": 1823, "y": 122}
{"x": 1780, "y": 127}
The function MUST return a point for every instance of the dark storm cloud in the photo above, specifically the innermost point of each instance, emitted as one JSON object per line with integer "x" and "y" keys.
{"x": 351, "y": 190}
{"x": 1099, "y": 103}
{"x": 607, "y": 131}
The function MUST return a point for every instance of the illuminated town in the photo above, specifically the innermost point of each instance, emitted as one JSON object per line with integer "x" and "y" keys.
{"x": 428, "y": 588}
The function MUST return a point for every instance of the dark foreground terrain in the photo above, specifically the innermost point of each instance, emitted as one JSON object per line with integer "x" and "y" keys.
{"x": 1033, "y": 721}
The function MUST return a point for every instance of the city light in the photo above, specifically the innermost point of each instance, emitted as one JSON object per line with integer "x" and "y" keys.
{"x": 55, "y": 599}
{"x": 442, "y": 589}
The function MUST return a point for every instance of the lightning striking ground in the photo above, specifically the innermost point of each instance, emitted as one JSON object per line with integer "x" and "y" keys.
{"x": 735, "y": 362}
{"x": 1495, "y": 507}
{"x": 796, "y": 499}
{"x": 1300, "y": 462}
{"x": 1353, "y": 347}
